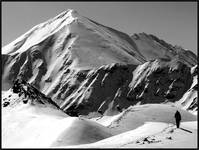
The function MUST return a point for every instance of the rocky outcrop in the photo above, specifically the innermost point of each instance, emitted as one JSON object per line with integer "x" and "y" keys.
{"x": 189, "y": 101}
{"x": 114, "y": 87}
{"x": 28, "y": 94}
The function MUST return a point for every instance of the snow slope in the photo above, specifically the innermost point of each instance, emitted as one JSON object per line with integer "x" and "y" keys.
{"x": 32, "y": 120}
{"x": 169, "y": 138}
{"x": 148, "y": 126}
{"x": 32, "y": 127}
{"x": 156, "y": 129}
{"x": 27, "y": 125}
{"x": 36, "y": 126}
{"x": 136, "y": 116}
{"x": 121, "y": 139}
{"x": 152, "y": 47}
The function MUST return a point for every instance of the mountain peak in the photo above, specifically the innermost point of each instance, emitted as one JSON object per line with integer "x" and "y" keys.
{"x": 72, "y": 11}
{"x": 67, "y": 13}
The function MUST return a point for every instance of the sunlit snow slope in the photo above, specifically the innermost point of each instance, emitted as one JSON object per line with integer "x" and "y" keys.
{"x": 68, "y": 41}
{"x": 152, "y": 47}
{"x": 30, "y": 120}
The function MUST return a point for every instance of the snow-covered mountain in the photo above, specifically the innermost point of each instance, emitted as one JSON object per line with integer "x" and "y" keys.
{"x": 69, "y": 57}
{"x": 68, "y": 41}
{"x": 73, "y": 66}
{"x": 151, "y": 47}
{"x": 65, "y": 43}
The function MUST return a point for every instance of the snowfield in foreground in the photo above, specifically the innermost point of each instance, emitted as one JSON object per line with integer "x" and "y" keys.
{"x": 151, "y": 125}
{"x": 151, "y": 135}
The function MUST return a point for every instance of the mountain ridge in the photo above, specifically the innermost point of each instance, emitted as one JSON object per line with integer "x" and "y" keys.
{"x": 70, "y": 54}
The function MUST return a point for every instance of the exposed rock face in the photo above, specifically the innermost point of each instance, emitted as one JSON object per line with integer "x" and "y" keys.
{"x": 112, "y": 88}
{"x": 115, "y": 87}
{"x": 189, "y": 101}
{"x": 84, "y": 66}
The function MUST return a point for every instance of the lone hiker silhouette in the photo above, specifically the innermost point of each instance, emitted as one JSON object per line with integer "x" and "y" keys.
{"x": 178, "y": 118}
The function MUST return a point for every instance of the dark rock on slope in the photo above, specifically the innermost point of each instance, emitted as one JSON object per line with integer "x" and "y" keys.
{"x": 118, "y": 86}
{"x": 189, "y": 101}
{"x": 29, "y": 94}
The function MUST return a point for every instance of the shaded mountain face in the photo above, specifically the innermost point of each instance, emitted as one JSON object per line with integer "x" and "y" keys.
{"x": 189, "y": 101}
{"x": 112, "y": 88}
{"x": 85, "y": 67}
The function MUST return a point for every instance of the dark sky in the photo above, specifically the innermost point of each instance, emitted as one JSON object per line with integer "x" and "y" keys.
{"x": 174, "y": 22}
